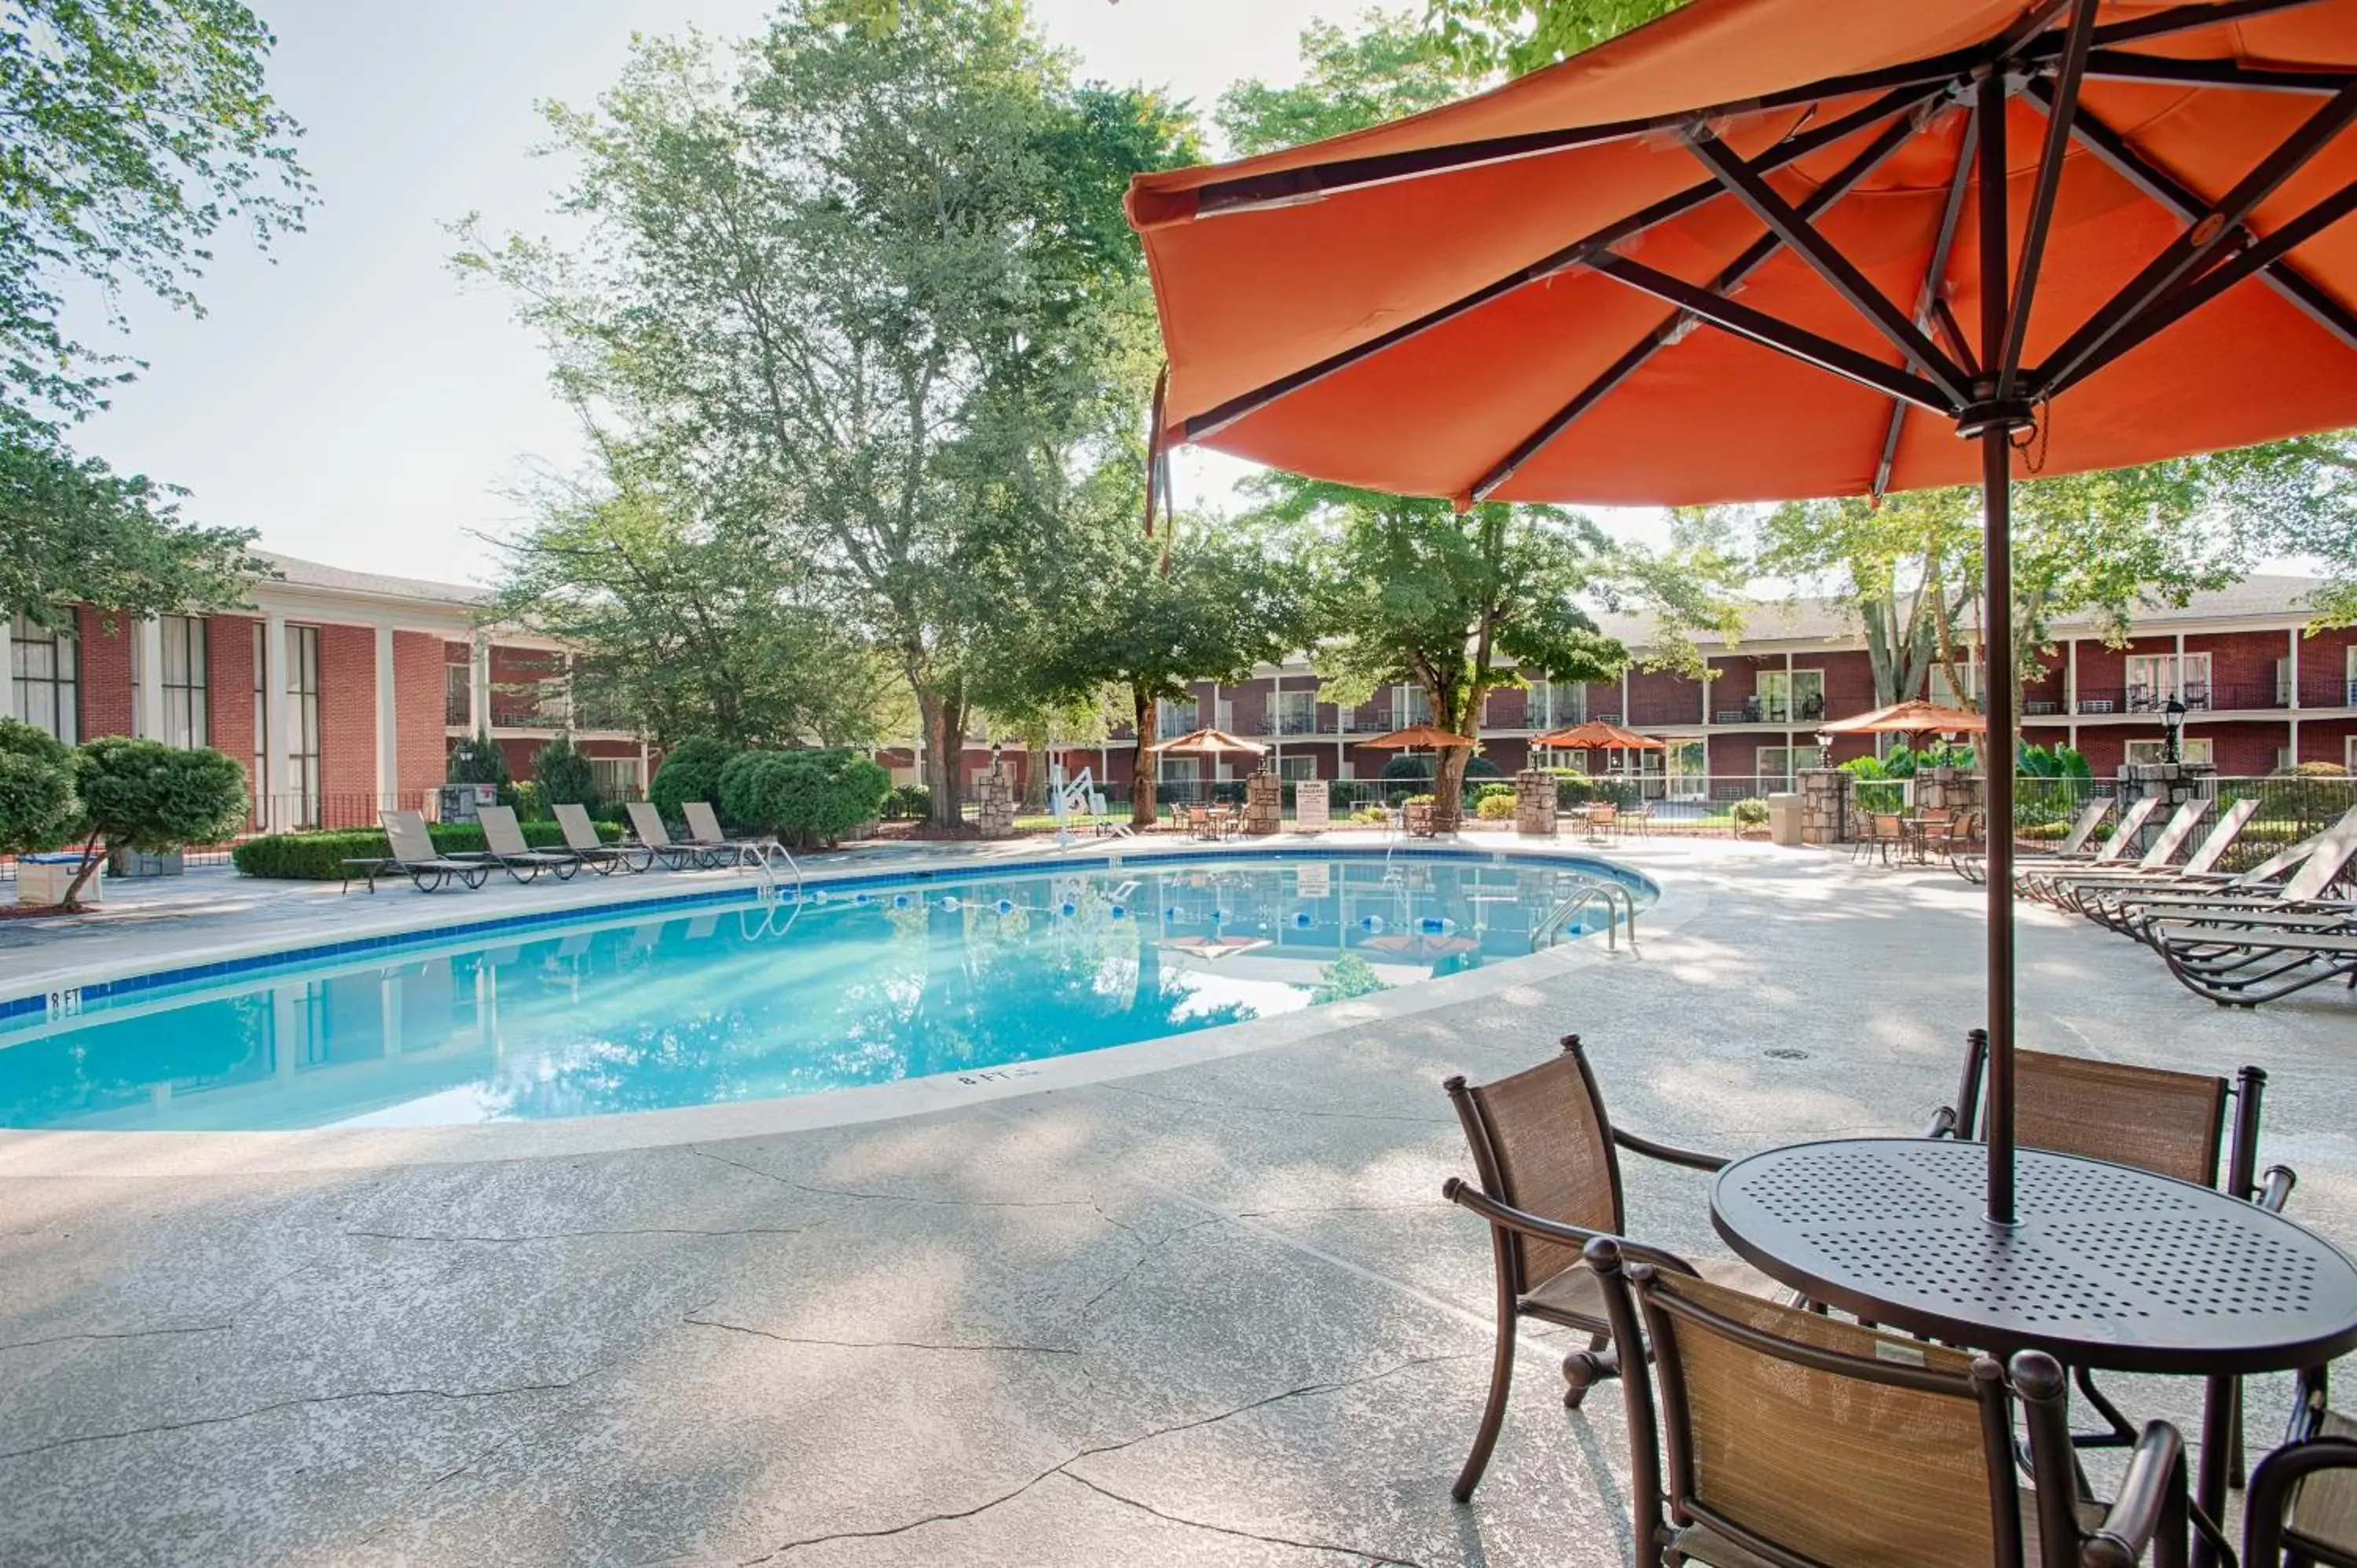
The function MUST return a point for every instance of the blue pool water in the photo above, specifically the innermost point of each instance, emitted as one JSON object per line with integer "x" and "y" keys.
{"x": 895, "y": 980}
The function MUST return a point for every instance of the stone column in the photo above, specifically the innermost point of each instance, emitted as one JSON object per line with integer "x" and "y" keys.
{"x": 1951, "y": 789}
{"x": 1825, "y": 816}
{"x": 1264, "y": 803}
{"x": 1534, "y": 797}
{"x": 995, "y": 799}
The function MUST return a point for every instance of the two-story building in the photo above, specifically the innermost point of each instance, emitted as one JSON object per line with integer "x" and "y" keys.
{"x": 341, "y": 691}
{"x": 2259, "y": 691}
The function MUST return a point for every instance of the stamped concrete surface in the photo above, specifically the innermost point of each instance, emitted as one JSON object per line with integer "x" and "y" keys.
{"x": 1216, "y": 1314}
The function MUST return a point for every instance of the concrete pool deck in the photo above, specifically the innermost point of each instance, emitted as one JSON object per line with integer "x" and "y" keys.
{"x": 1214, "y": 1314}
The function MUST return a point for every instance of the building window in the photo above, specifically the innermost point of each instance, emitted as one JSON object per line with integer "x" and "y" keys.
{"x": 1948, "y": 682}
{"x": 297, "y": 794}
{"x": 1297, "y": 712}
{"x": 2188, "y": 748}
{"x": 1786, "y": 696}
{"x": 1294, "y": 769}
{"x": 1773, "y": 770}
{"x": 187, "y": 719}
{"x": 1176, "y": 718}
{"x": 458, "y": 695}
{"x": 616, "y": 778}
{"x": 46, "y": 666}
{"x": 1550, "y": 756}
{"x": 2153, "y": 679}
{"x": 1410, "y": 706}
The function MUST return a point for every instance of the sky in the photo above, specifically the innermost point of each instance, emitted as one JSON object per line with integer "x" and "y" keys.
{"x": 359, "y": 405}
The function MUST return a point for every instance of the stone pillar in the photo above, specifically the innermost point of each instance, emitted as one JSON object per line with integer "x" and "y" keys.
{"x": 996, "y": 799}
{"x": 1957, "y": 790}
{"x": 1264, "y": 803}
{"x": 1534, "y": 803}
{"x": 2171, "y": 783}
{"x": 1825, "y": 816}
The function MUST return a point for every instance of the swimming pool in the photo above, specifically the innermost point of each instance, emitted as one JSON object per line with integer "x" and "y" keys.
{"x": 855, "y": 982}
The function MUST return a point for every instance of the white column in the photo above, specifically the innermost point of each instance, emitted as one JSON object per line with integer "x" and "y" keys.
{"x": 1624, "y": 694}
{"x": 2176, "y": 675}
{"x": 278, "y": 723}
{"x": 2294, "y": 666}
{"x": 147, "y": 696}
{"x": 8, "y": 667}
{"x": 478, "y": 687}
{"x": 388, "y": 727}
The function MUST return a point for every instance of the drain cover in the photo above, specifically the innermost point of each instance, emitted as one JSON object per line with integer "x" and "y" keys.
{"x": 1787, "y": 1054}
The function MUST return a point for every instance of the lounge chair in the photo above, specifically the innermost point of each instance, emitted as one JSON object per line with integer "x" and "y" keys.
{"x": 588, "y": 846}
{"x": 2074, "y": 892}
{"x": 656, "y": 840}
{"x": 2113, "y": 848}
{"x": 2295, "y": 882}
{"x": 1550, "y": 1182}
{"x": 2124, "y": 907}
{"x": 2044, "y": 883}
{"x": 1795, "y": 1438}
{"x": 704, "y": 825}
{"x": 504, "y": 846}
{"x": 2083, "y": 828}
{"x": 415, "y": 857}
{"x": 2244, "y": 965}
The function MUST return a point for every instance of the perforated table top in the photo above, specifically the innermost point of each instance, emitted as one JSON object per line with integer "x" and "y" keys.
{"x": 2106, "y": 1267}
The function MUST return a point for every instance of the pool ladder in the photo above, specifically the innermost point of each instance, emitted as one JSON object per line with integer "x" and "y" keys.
{"x": 1620, "y": 907}
{"x": 762, "y": 856}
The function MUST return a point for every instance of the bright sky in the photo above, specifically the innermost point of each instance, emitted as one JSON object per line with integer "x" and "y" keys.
{"x": 353, "y": 401}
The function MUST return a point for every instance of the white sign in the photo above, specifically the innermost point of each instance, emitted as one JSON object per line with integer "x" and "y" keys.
{"x": 1309, "y": 806}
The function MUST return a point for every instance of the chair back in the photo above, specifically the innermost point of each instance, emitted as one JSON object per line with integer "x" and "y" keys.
{"x": 1888, "y": 825}
{"x": 1804, "y": 1439}
{"x": 2172, "y": 1123}
{"x": 2083, "y": 825}
{"x": 2304, "y": 1495}
{"x": 703, "y": 821}
{"x": 1541, "y": 1143}
{"x": 1602, "y": 812}
{"x": 405, "y": 832}
{"x": 580, "y": 833}
{"x": 2131, "y": 823}
{"x": 647, "y": 823}
{"x": 2220, "y": 838}
{"x": 2179, "y": 827}
{"x": 2326, "y": 863}
{"x": 500, "y": 832}
{"x": 1936, "y": 816}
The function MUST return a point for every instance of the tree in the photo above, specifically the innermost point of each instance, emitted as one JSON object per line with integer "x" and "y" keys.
{"x": 1408, "y": 588}
{"x": 2299, "y": 498}
{"x": 871, "y": 295}
{"x": 39, "y": 809}
{"x": 154, "y": 797}
{"x": 814, "y": 796}
{"x": 479, "y": 759}
{"x": 565, "y": 775}
{"x": 1898, "y": 567}
{"x": 1389, "y": 68}
{"x": 136, "y": 133}
{"x": 690, "y": 772}
{"x": 1519, "y": 36}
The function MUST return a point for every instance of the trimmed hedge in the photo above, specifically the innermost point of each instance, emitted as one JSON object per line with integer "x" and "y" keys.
{"x": 319, "y": 857}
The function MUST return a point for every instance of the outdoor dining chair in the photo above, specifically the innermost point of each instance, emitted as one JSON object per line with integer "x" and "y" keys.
{"x": 1784, "y": 1437}
{"x": 1547, "y": 1159}
{"x": 2172, "y": 1123}
{"x": 2301, "y": 1507}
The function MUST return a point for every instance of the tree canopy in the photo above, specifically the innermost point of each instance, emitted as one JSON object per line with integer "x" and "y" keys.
{"x": 1390, "y": 67}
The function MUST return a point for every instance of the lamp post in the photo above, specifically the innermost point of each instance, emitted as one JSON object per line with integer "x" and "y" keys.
{"x": 1825, "y": 748}
{"x": 2172, "y": 727}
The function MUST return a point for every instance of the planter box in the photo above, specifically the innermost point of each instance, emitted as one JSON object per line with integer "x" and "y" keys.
{"x": 135, "y": 863}
{"x": 42, "y": 879}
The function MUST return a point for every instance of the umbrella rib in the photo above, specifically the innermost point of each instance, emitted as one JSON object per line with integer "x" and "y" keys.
{"x": 2038, "y": 221}
{"x": 2186, "y": 19}
{"x": 2112, "y": 65}
{"x": 1676, "y": 324}
{"x": 1799, "y": 342}
{"x": 2112, "y": 149}
{"x": 1951, "y": 221}
{"x": 1244, "y": 404}
{"x": 1839, "y": 272}
{"x": 2191, "y": 250}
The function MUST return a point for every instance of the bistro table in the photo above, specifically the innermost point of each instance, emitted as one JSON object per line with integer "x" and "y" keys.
{"x": 2107, "y": 1267}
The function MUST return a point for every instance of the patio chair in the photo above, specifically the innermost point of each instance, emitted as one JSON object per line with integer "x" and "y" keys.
{"x": 2302, "y": 1506}
{"x": 504, "y": 847}
{"x": 2074, "y": 892}
{"x": 2172, "y": 1123}
{"x": 703, "y": 828}
{"x": 2298, "y": 874}
{"x": 415, "y": 857}
{"x": 1603, "y": 821}
{"x": 1546, "y": 1157}
{"x": 1784, "y": 1437}
{"x": 2083, "y": 828}
{"x": 581, "y": 837}
{"x": 656, "y": 840}
{"x": 2250, "y": 962}
{"x": 2044, "y": 883}
{"x": 1967, "y": 835}
{"x": 1886, "y": 836}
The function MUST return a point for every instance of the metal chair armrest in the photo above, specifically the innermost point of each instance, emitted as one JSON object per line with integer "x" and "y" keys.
{"x": 1943, "y": 1123}
{"x": 2274, "y": 1187}
{"x": 2152, "y": 1497}
{"x": 1505, "y": 1216}
{"x": 2265, "y": 1504}
{"x": 1667, "y": 1153}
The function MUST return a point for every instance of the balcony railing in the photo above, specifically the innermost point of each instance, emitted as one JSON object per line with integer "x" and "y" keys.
{"x": 1758, "y": 710}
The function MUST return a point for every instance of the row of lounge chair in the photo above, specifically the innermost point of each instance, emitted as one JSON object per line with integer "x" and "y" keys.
{"x": 2239, "y": 939}
{"x": 430, "y": 868}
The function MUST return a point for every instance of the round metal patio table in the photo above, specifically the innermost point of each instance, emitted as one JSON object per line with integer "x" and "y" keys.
{"x": 2107, "y": 1267}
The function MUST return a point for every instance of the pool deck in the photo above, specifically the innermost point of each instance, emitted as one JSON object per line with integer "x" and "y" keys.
{"x": 1211, "y": 1314}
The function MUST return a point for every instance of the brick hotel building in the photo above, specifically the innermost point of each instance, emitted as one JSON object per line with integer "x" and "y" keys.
{"x": 2260, "y": 695}
{"x": 341, "y": 691}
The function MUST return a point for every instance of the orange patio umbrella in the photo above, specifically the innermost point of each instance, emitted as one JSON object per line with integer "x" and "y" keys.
{"x": 1597, "y": 735}
{"x": 1209, "y": 743}
{"x": 1418, "y": 737}
{"x": 1910, "y": 718}
{"x": 1762, "y": 250}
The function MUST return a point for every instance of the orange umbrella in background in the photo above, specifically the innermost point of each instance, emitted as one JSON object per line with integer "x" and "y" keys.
{"x": 1418, "y": 737}
{"x": 1910, "y": 718}
{"x": 1597, "y": 735}
{"x": 1761, "y": 250}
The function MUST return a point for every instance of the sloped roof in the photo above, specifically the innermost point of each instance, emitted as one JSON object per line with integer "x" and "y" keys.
{"x": 301, "y": 574}
{"x": 1826, "y": 621}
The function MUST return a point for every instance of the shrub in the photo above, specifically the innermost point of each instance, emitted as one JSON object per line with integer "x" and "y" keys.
{"x": 1495, "y": 808}
{"x": 564, "y": 776}
{"x": 690, "y": 772}
{"x": 147, "y": 796}
{"x": 478, "y": 759}
{"x": 320, "y": 856}
{"x": 1479, "y": 767}
{"x": 909, "y": 802}
{"x": 38, "y": 807}
{"x": 1404, "y": 767}
{"x": 1489, "y": 791}
{"x": 1416, "y": 801}
{"x": 1752, "y": 814}
{"x": 811, "y": 796}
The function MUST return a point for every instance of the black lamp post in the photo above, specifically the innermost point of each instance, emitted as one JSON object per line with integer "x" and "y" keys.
{"x": 2172, "y": 727}
{"x": 1825, "y": 748}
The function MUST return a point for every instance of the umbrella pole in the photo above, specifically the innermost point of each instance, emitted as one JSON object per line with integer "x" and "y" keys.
{"x": 1996, "y": 707}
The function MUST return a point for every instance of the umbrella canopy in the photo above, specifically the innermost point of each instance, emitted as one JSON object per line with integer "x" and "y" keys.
{"x": 1418, "y": 737}
{"x": 1909, "y": 718}
{"x": 1597, "y": 735}
{"x": 1209, "y": 743}
{"x": 1775, "y": 249}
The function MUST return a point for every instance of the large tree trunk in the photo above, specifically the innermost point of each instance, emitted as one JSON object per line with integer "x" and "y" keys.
{"x": 1141, "y": 761}
{"x": 944, "y": 719}
{"x": 1448, "y": 788}
{"x": 1035, "y": 771}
